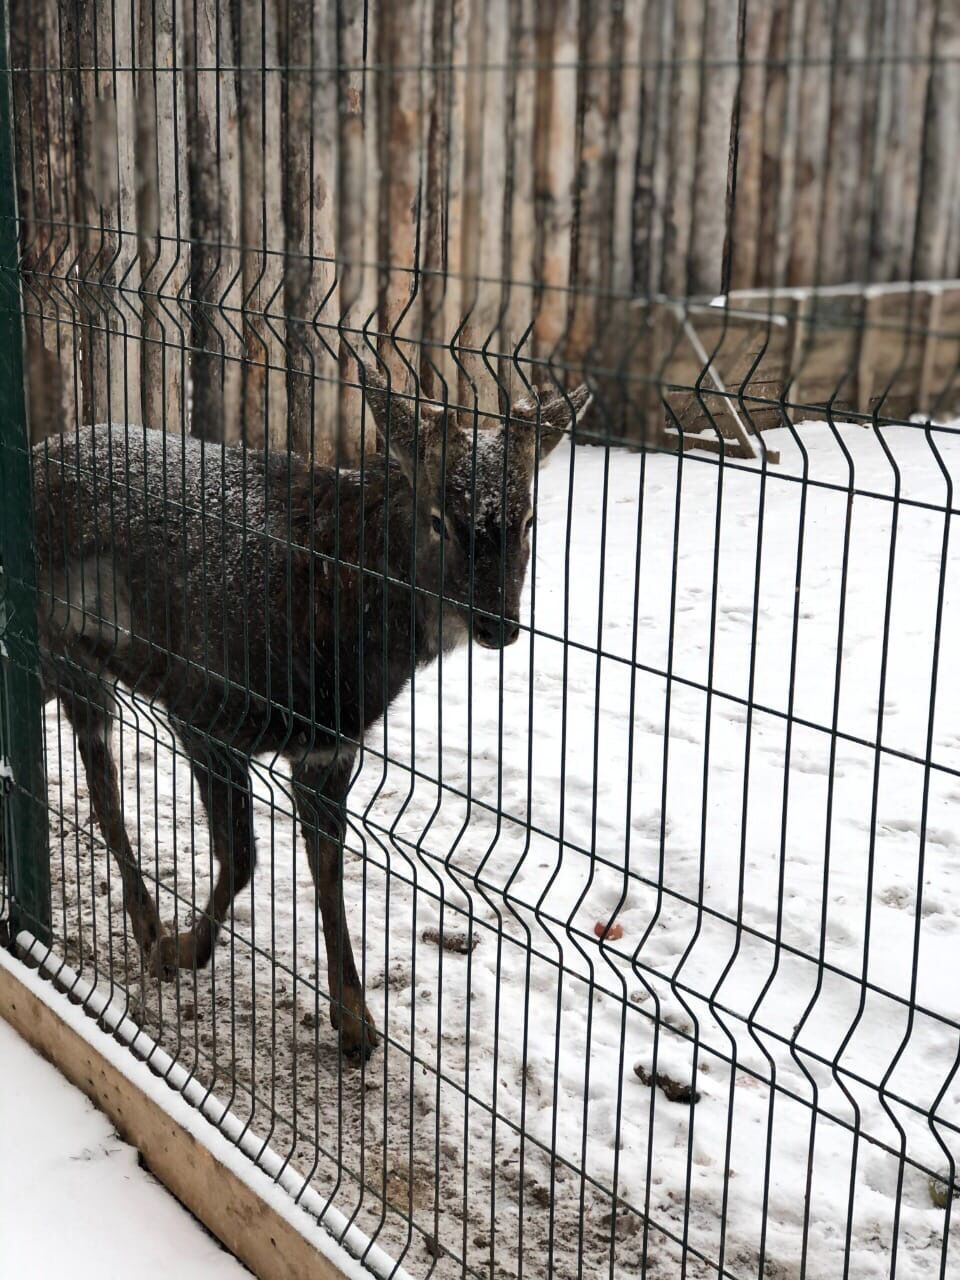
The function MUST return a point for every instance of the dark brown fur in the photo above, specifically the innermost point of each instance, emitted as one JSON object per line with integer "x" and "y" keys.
{"x": 273, "y": 607}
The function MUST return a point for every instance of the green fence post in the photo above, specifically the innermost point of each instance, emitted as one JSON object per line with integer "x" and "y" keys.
{"x": 23, "y": 794}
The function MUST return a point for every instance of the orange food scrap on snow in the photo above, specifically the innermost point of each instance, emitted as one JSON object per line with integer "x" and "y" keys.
{"x": 609, "y": 932}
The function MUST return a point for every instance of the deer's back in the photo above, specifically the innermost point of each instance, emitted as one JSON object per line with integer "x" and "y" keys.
{"x": 224, "y": 582}
{"x": 172, "y": 564}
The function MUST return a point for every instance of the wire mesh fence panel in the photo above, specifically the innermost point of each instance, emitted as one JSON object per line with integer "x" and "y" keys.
{"x": 493, "y": 476}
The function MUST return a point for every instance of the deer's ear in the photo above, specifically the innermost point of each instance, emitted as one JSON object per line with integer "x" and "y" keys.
{"x": 394, "y": 418}
{"x": 393, "y": 412}
{"x": 556, "y": 417}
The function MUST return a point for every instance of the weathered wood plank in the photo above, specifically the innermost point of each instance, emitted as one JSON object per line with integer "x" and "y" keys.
{"x": 841, "y": 176}
{"x": 519, "y": 215}
{"x": 805, "y": 264}
{"x": 216, "y": 287}
{"x": 264, "y": 385}
{"x": 435, "y": 366}
{"x": 591, "y": 251}
{"x": 939, "y": 193}
{"x": 914, "y": 46}
{"x": 898, "y": 343}
{"x": 617, "y": 339}
{"x": 465, "y": 256}
{"x": 485, "y": 213}
{"x": 401, "y": 122}
{"x": 356, "y": 221}
{"x": 457, "y": 19}
{"x": 777, "y": 169}
{"x": 554, "y": 174}
{"x": 746, "y": 210}
{"x": 44, "y": 159}
{"x": 941, "y": 368}
{"x": 653, "y": 152}
{"x": 108, "y": 259}
{"x": 307, "y": 33}
{"x": 717, "y": 91}
{"x": 627, "y": 123}
{"x": 163, "y": 215}
{"x": 874, "y": 129}
{"x": 889, "y": 147}
{"x": 686, "y": 51}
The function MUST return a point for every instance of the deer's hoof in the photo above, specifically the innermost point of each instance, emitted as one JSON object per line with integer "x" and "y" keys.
{"x": 358, "y": 1032}
{"x": 172, "y": 952}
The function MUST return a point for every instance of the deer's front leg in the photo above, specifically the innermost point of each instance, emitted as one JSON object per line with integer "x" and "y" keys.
{"x": 320, "y": 782}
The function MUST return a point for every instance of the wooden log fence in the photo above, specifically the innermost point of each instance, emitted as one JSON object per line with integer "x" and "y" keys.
{"x": 224, "y": 201}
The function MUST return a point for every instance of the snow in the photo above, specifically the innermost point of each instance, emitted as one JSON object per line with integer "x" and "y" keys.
{"x": 787, "y": 893}
{"x": 73, "y": 1199}
{"x": 165, "y": 1082}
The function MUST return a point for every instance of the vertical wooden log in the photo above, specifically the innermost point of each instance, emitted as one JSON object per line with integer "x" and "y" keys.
{"x": 717, "y": 90}
{"x": 653, "y": 152}
{"x": 685, "y": 78}
{"x": 482, "y": 230}
{"x": 119, "y": 44}
{"x": 467, "y": 262}
{"x": 264, "y": 391}
{"x": 452, "y": 286}
{"x": 591, "y": 227}
{"x": 939, "y": 387}
{"x": 951, "y": 269}
{"x": 108, "y": 260}
{"x": 435, "y": 365}
{"x": 889, "y": 145}
{"x": 914, "y": 42}
{"x": 839, "y": 222}
{"x": 519, "y": 123}
{"x": 747, "y": 192}
{"x": 401, "y": 120}
{"x": 925, "y": 382}
{"x": 368, "y": 310}
{"x": 45, "y": 206}
{"x": 216, "y": 290}
{"x": 356, "y": 214}
{"x": 793, "y": 28}
{"x": 777, "y": 171}
{"x": 309, "y": 164}
{"x": 812, "y": 125}
{"x": 626, "y": 345}
{"x": 940, "y": 173}
{"x": 628, "y": 130}
{"x": 873, "y": 132}
{"x": 867, "y": 373}
{"x": 554, "y": 174}
{"x": 163, "y": 217}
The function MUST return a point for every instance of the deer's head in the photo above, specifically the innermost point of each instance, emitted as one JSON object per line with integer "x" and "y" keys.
{"x": 473, "y": 487}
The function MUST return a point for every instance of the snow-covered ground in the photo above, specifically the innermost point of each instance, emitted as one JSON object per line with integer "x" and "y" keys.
{"x": 73, "y": 1199}
{"x": 698, "y": 760}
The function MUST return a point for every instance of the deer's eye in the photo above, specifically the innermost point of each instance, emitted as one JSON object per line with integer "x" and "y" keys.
{"x": 530, "y": 521}
{"x": 439, "y": 526}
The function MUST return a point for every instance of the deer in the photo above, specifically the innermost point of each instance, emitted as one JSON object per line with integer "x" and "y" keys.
{"x": 269, "y": 604}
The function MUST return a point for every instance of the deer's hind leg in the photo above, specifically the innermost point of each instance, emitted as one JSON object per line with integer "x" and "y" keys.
{"x": 223, "y": 781}
{"x": 90, "y": 707}
{"x": 320, "y": 784}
